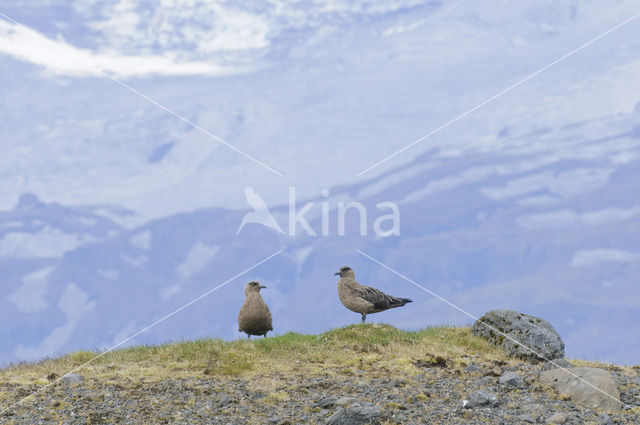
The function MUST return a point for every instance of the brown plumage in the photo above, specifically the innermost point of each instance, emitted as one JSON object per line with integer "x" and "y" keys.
{"x": 254, "y": 317}
{"x": 364, "y": 299}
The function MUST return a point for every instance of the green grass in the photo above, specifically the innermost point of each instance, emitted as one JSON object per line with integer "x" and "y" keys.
{"x": 372, "y": 347}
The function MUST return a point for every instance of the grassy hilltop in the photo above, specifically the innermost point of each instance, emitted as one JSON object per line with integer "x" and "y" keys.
{"x": 285, "y": 379}
{"x": 379, "y": 349}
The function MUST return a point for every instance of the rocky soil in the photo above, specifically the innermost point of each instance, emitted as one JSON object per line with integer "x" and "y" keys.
{"x": 440, "y": 393}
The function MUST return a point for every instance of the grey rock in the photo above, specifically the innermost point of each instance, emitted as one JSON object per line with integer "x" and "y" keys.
{"x": 564, "y": 363}
{"x": 72, "y": 378}
{"x": 558, "y": 419}
{"x": 526, "y": 418}
{"x": 629, "y": 397}
{"x": 574, "y": 385}
{"x": 527, "y": 397}
{"x": 345, "y": 401}
{"x": 473, "y": 368}
{"x": 531, "y": 332}
{"x": 481, "y": 398}
{"x": 462, "y": 404}
{"x": 511, "y": 379}
{"x": 327, "y": 402}
{"x": 486, "y": 381}
{"x": 534, "y": 409}
{"x": 354, "y": 415}
{"x": 605, "y": 419}
{"x": 224, "y": 399}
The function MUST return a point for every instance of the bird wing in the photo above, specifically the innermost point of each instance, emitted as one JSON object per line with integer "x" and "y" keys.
{"x": 379, "y": 299}
{"x": 375, "y": 296}
{"x": 254, "y": 199}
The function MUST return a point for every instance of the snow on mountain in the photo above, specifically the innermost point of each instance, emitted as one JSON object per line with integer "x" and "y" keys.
{"x": 115, "y": 213}
{"x": 315, "y": 104}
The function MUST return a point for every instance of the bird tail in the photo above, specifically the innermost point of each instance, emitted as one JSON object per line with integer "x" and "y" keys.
{"x": 399, "y": 302}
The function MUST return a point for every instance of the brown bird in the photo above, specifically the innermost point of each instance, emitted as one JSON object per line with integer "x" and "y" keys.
{"x": 364, "y": 299}
{"x": 254, "y": 317}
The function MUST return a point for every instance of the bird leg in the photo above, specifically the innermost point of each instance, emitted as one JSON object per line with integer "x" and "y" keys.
{"x": 248, "y": 336}
{"x": 364, "y": 316}
{"x": 265, "y": 335}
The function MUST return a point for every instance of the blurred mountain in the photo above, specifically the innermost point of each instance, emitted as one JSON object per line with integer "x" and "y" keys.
{"x": 549, "y": 236}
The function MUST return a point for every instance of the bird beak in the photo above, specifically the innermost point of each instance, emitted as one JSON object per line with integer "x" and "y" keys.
{"x": 262, "y": 286}
{"x": 336, "y": 274}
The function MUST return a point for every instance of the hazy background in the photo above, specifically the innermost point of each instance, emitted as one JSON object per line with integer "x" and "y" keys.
{"x": 115, "y": 212}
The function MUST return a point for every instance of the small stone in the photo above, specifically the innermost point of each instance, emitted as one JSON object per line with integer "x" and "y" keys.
{"x": 462, "y": 404}
{"x": 534, "y": 409}
{"x": 345, "y": 401}
{"x": 71, "y": 378}
{"x": 527, "y": 397}
{"x": 473, "y": 368}
{"x": 482, "y": 398}
{"x": 526, "y": 418}
{"x": 354, "y": 416}
{"x": 628, "y": 398}
{"x": 326, "y": 402}
{"x": 224, "y": 399}
{"x": 605, "y": 419}
{"x": 511, "y": 379}
{"x": 558, "y": 419}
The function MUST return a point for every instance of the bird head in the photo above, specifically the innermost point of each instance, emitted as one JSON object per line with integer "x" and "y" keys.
{"x": 345, "y": 272}
{"x": 253, "y": 287}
